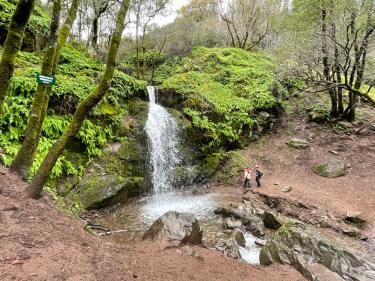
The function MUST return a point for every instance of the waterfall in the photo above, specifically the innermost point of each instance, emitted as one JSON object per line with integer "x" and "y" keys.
{"x": 162, "y": 133}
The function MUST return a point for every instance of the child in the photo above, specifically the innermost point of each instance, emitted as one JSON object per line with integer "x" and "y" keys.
{"x": 258, "y": 175}
{"x": 247, "y": 177}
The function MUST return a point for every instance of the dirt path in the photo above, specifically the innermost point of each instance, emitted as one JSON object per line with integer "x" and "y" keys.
{"x": 38, "y": 242}
{"x": 332, "y": 198}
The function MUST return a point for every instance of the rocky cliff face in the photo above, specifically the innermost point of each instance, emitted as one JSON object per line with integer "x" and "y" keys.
{"x": 120, "y": 172}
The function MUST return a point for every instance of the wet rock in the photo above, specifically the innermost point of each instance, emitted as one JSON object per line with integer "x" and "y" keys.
{"x": 248, "y": 217}
{"x": 303, "y": 248}
{"x": 260, "y": 242}
{"x": 176, "y": 228}
{"x": 232, "y": 224}
{"x": 231, "y": 246}
{"x": 298, "y": 143}
{"x": 355, "y": 218}
{"x": 272, "y": 221}
{"x": 331, "y": 169}
{"x": 286, "y": 189}
{"x": 239, "y": 237}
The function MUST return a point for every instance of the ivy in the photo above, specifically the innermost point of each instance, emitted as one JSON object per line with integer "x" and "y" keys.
{"x": 77, "y": 77}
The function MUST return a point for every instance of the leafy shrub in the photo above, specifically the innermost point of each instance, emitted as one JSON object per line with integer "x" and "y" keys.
{"x": 222, "y": 89}
{"x": 74, "y": 82}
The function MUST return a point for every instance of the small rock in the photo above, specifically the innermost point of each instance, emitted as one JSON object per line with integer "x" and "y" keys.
{"x": 276, "y": 183}
{"x": 260, "y": 242}
{"x": 286, "y": 189}
{"x": 352, "y": 232}
{"x": 355, "y": 218}
{"x": 334, "y": 152}
{"x": 232, "y": 224}
{"x": 246, "y": 198}
{"x": 344, "y": 124}
{"x": 298, "y": 143}
{"x": 372, "y": 127}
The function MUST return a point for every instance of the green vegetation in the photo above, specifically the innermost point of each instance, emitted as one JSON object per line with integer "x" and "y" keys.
{"x": 38, "y": 25}
{"x": 78, "y": 75}
{"x": 222, "y": 91}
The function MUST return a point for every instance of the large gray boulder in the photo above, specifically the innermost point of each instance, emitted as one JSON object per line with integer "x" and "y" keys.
{"x": 331, "y": 169}
{"x": 248, "y": 217}
{"x": 176, "y": 228}
{"x": 304, "y": 249}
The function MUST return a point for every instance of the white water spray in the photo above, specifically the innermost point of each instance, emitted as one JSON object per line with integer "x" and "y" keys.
{"x": 162, "y": 133}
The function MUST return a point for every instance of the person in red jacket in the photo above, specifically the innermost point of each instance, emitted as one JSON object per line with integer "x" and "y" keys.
{"x": 247, "y": 177}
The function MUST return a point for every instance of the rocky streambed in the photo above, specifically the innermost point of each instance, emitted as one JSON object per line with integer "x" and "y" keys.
{"x": 241, "y": 231}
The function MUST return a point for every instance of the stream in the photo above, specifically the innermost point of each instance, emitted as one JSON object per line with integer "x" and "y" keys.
{"x": 129, "y": 221}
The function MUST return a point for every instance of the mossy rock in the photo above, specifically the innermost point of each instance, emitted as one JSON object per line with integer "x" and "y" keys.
{"x": 230, "y": 164}
{"x": 331, "y": 169}
{"x": 297, "y": 245}
{"x": 298, "y": 143}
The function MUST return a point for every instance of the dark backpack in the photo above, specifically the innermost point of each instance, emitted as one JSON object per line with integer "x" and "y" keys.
{"x": 258, "y": 174}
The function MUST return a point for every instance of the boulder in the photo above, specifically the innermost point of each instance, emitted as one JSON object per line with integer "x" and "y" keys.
{"x": 298, "y": 143}
{"x": 248, "y": 216}
{"x": 305, "y": 250}
{"x": 272, "y": 221}
{"x": 238, "y": 236}
{"x": 176, "y": 228}
{"x": 231, "y": 246}
{"x": 331, "y": 169}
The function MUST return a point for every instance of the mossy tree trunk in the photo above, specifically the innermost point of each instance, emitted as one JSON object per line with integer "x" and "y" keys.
{"x": 36, "y": 186}
{"x": 21, "y": 164}
{"x": 12, "y": 45}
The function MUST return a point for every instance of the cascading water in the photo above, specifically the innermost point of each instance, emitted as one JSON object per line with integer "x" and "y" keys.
{"x": 162, "y": 133}
{"x": 163, "y": 137}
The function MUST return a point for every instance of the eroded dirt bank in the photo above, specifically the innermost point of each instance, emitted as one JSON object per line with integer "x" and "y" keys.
{"x": 38, "y": 242}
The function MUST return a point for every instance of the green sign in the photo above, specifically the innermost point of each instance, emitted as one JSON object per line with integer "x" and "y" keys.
{"x": 47, "y": 80}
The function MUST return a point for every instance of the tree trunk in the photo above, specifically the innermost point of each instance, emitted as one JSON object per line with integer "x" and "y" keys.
{"x": 13, "y": 44}
{"x": 137, "y": 50}
{"x": 326, "y": 66}
{"x": 95, "y": 28}
{"x": 22, "y": 164}
{"x": 36, "y": 187}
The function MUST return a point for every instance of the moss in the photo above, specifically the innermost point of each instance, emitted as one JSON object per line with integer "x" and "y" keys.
{"x": 321, "y": 169}
{"x": 221, "y": 91}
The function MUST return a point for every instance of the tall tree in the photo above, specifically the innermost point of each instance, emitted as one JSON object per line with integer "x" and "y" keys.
{"x": 12, "y": 45}
{"x": 247, "y": 21}
{"x": 58, "y": 36}
{"x": 36, "y": 187}
{"x": 144, "y": 11}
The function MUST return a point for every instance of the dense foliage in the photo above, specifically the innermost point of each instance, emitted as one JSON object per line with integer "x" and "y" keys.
{"x": 38, "y": 25}
{"x": 78, "y": 74}
{"x": 222, "y": 90}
